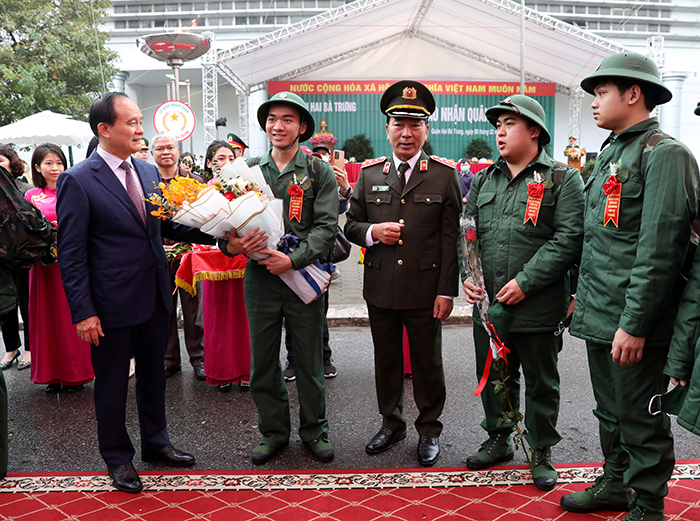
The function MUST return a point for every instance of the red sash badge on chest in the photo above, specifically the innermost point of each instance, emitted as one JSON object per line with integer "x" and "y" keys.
{"x": 612, "y": 189}
{"x": 535, "y": 192}
{"x": 296, "y": 199}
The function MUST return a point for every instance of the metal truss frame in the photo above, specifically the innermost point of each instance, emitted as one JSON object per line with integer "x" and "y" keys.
{"x": 243, "y": 92}
{"x": 420, "y": 16}
{"x": 210, "y": 90}
{"x": 575, "y": 99}
{"x": 304, "y": 26}
{"x": 552, "y": 23}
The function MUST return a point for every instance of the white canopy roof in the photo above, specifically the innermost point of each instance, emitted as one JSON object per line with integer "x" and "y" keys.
{"x": 46, "y": 127}
{"x": 421, "y": 39}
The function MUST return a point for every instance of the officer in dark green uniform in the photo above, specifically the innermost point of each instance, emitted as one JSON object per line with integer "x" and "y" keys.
{"x": 528, "y": 211}
{"x": 405, "y": 210}
{"x": 286, "y": 120}
{"x": 238, "y": 145}
{"x": 143, "y": 153}
{"x": 640, "y": 201}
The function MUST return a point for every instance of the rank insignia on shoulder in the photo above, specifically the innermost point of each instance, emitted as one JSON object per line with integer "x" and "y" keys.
{"x": 370, "y": 162}
{"x": 424, "y": 165}
{"x": 444, "y": 161}
{"x": 387, "y": 167}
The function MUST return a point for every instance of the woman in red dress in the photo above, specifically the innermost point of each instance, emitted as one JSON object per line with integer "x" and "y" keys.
{"x": 59, "y": 357}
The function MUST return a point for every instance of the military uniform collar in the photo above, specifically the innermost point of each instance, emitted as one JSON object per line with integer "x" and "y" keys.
{"x": 541, "y": 159}
{"x": 634, "y": 130}
{"x": 299, "y": 160}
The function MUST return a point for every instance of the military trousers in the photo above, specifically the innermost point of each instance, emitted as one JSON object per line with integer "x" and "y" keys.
{"x": 425, "y": 343}
{"x": 268, "y": 301}
{"x": 537, "y": 354}
{"x": 637, "y": 446}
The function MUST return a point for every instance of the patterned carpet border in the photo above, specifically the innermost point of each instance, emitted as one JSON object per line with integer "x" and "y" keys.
{"x": 331, "y": 481}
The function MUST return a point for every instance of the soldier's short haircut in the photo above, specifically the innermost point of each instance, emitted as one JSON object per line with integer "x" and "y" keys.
{"x": 102, "y": 110}
{"x": 625, "y": 84}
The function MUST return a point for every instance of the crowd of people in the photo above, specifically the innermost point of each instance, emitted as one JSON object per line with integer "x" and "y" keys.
{"x": 612, "y": 258}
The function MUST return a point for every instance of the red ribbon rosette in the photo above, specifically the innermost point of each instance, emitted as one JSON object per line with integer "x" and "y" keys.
{"x": 610, "y": 185}
{"x": 535, "y": 191}
{"x": 612, "y": 189}
{"x": 296, "y": 202}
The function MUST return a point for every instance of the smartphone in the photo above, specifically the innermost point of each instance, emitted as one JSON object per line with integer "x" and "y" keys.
{"x": 339, "y": 158}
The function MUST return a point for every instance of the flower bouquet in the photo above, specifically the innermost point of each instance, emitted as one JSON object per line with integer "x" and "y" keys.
{"x": 318, "y": 140}
{"x": 575, "y": 152}
{"x": 475, "y": 274}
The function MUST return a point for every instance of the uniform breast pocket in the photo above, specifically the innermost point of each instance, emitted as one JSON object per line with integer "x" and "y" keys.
{"x": 545, "y": 216}
{"x": 486, "y": 203}
{"x": 631, "y": 203}
{"x": 428, "y": 208}
{"x": 379, "y": 206}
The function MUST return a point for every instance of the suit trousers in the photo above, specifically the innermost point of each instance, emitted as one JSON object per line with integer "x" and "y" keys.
{"x": 537, "y": 354}
{"x": 10, "y": 322}
{"x": 637, "y": 446}
{"x": 269, "y": 301}
{"x": 425, "y": 343}
{"x": 110, "y": 360}
{"x": 192, "y": 322}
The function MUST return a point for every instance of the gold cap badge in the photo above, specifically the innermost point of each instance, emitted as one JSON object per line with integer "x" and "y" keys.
{"x": 409, "y": 93}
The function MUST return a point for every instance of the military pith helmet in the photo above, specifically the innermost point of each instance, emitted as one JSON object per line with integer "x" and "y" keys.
{"x": 236, "y": 142}
{"x": 289, "y": 98}
{"x": 633, "y": 66}
{"x": 144, "y": 143}
{"x": 407, "y": 99}
{"x": 523, "y": 106}
{"x": 697, "y": 110}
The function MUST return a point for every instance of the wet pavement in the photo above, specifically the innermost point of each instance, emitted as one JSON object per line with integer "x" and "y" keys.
{"x": 57, "y": 432}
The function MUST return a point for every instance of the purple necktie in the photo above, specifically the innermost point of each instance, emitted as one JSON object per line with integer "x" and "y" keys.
{"x": 134, "y": 191}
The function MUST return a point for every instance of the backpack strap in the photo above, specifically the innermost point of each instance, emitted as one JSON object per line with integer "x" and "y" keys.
{"x": 648, "y": 147}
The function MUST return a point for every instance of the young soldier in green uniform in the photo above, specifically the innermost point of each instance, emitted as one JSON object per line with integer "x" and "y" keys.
{"x": 639, "y": 204}
{"x": 405, "y": 210}
{"x": 529, "y": 213}
{"x": 286, "y": 120}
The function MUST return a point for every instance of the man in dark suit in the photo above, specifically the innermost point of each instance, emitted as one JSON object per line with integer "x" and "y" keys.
{"x": 405, "y": 210}
{"x": 116, "y": 279}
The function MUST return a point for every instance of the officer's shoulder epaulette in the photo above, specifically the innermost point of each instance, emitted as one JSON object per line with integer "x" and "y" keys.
{"x": 444, "y": 161}
{"x": 370, "y": 162}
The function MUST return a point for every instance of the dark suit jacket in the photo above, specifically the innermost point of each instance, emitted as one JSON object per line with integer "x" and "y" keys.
{"x": 111, "y": 264}
{"x": 423, "y": 265}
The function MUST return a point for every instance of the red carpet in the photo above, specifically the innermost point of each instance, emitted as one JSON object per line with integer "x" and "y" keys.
{"x": 503, "y": 493}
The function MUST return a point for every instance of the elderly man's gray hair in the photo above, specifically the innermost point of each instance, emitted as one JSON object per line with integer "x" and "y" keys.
{"x": 160, "y": 136}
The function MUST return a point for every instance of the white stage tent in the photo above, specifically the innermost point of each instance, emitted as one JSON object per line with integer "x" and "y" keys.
{"x": 419, "y": 39}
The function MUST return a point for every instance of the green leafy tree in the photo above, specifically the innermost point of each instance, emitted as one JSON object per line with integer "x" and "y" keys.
{"x": 358, "y": 146}
{"x": 50, "y": 56}
{"x": 478, "y": 148}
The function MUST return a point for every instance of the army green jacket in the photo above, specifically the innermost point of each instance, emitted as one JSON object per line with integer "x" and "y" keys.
{"x": 684, "y": 355}
{"x": 629, "y": 274}
{"x": 319, "y": 214}
{"x": 537, "y": 257}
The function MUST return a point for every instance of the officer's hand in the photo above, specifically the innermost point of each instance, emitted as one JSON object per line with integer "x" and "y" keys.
{"x": 442, "y": 307}
{"x": 277, "y": 262}
{"x": 251, "y": 243}
{"x": 676, "y": 381}
{"x": 90, "y": 330}
{"x": 472, "y": 292}
{"x": 627, "y": 349}
{"x": 510, "y": 294}
{"x": 387, "y": 233}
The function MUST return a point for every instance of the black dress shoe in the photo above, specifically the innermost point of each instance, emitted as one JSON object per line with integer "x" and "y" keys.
{"x": 126, "y": 479}
{"x": 73, "y": 388}
{"x": 171, "y": 370}
{"x": 199, "y": 372}
{"x": 384, "y": 440}
{"x": 170, "y": 456}
{"x": 428, "y": 450}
